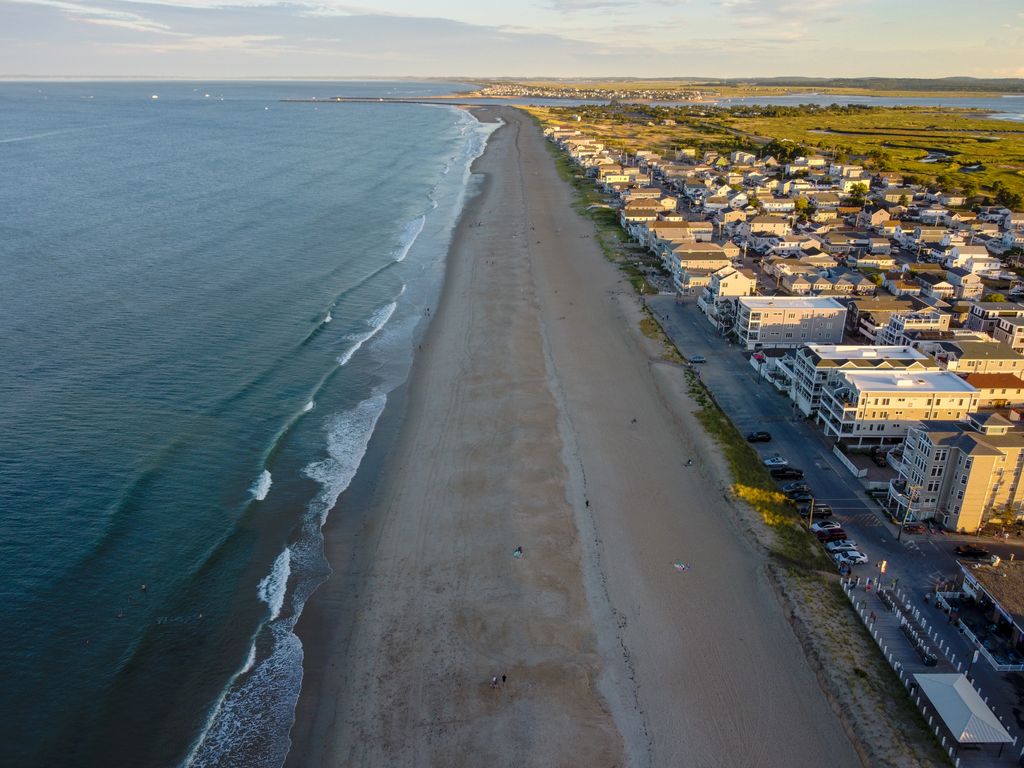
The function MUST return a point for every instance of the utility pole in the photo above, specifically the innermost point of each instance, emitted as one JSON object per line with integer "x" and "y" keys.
{"x": 810, "y": 514}
{"x": 903, "y": 521}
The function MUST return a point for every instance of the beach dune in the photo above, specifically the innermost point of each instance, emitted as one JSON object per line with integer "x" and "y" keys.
{"x": 538, "y": 417}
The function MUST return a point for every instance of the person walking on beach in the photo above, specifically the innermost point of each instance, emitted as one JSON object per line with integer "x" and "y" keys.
{"x": 494, "y": 681}
{"x": 503, "y": 679}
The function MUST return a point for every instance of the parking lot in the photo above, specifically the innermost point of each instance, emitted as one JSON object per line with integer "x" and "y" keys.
{"x": 917, "y": 561}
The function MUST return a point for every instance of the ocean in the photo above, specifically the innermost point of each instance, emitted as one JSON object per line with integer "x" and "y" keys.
{"x": 207, "y": 297}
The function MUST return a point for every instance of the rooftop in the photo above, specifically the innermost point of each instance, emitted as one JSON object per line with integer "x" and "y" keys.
{"x": 864, "y": 352}
{"x": 995, "y": 381}
{"x": 987, "y": 350}
{"x": 897, "y": 381}
{"x": 794, "y": 302}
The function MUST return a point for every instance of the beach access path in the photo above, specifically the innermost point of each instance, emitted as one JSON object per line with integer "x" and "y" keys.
{"x": 538, "y": 416}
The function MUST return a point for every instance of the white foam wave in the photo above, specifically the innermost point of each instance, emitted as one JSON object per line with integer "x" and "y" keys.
{"x": 381, "y": 316}
{"x": 246, "y": 726}
{"x": 375, "y": 322}
{"x": 248, "y": 722}
{"x": 348, "y": 436}
{"x": 261, "y": 487}
{"x": 273, "y": 587}
{"x": 309, "y": 406}
{"x": 328, "y": 318}
{"x": 250, "y": 660}
{"x": 409, "y": 234}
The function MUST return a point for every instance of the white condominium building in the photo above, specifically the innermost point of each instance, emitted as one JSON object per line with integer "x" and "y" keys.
{"x": 816, "y": 366}
{"x": 880, "y": 406}
{"x": 779, "y": 322}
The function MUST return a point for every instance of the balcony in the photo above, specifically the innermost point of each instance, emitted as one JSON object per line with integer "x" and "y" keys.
{"x": 902, "y": 497}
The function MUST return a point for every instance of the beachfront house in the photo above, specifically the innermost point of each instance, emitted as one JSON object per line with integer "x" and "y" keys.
{"x": 812, "y": 367}
{"x": 960, "y": 472}
{"x": 781, "y": 322}
{"x": 878, "y": 407}
{"x": 718, "y": 300}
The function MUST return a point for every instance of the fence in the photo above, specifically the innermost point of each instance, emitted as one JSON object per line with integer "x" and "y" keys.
{"x": 854, "y": 469}
{"x": 905, "y": 611}
{"x": 943, "y": 600}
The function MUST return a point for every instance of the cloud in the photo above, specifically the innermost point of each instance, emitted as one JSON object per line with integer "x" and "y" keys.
{"x": 519, "y": 38}
{"x": 577, "y": 6}
{"x": 789, "y": 20}
{"x": 103, "y": 16}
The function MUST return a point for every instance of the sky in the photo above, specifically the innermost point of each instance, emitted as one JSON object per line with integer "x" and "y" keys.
{"x": 515, "y": 38}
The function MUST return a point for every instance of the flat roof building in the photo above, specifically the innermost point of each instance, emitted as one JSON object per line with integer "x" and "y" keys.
{"x": 878, "y": 407}
{"x": 779, "y": 322}
{"x": 815, "y": 366}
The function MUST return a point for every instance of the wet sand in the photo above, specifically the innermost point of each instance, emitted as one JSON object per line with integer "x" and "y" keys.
{"x": 538, "y": 416}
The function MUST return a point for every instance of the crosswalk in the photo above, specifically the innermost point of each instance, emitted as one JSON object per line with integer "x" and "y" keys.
{"x": 865, "y": 519}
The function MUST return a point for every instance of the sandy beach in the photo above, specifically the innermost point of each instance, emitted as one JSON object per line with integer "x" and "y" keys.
{"x": 539, "y": 417}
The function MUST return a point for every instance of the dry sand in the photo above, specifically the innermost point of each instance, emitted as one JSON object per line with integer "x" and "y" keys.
{"x": 533, "y": 395}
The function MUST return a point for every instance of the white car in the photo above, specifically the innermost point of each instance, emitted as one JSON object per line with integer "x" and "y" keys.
{"x": 846, "y": 545}
{"x": 773, "y": 462}
{"x": 827, "y": 525}
{"x": 850, "y": 557}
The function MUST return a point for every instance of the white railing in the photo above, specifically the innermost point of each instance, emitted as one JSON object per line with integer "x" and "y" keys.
{"x": 943, "y": 599}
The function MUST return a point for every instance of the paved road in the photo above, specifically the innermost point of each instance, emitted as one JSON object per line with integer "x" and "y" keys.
{"x": 918, "y": 561}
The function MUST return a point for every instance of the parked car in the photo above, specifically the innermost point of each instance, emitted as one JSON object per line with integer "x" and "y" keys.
{"x": 759, "y": 437}
{"x": 697, "y": 359}
{"x": 826, "y": 525}
{"x": 915, "y": 527}
{"x": 843, "y": 545}
{"x": 786, "y": 473}
{"x": 879, "y": 458}
{"x": 836, "y": 534}
{"x": 775, "y": 461}
{"x": 800, "y": 497}
{"x": 797, "y": 485}
{"x": 850, "y": 557}
{"x": 971, "y": 550}
{"x": 820, "y": 510}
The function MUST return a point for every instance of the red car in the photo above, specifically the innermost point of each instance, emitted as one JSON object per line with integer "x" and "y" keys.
{"x": 915, "y": 528}
{"x": 835, "y": 534}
